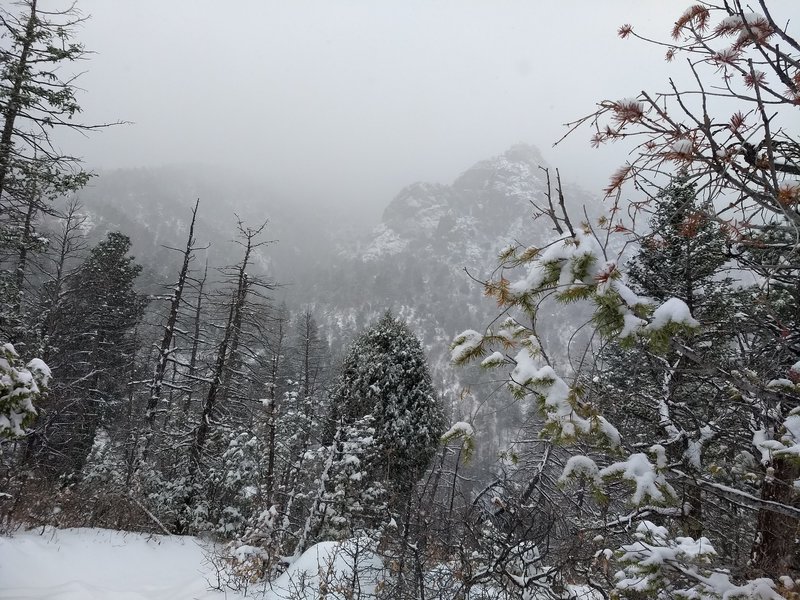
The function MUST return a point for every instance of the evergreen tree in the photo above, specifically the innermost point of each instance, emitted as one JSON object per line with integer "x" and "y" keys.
{"x": 19, "y": 389}
{"x": 36, "y": 96}
{"x": 354, "y": 500}
{"x": 385, "y": 376}
{"x": 94, "y": 348}
{"x": 684, "y": 257}
{"x": 37, "y": 99}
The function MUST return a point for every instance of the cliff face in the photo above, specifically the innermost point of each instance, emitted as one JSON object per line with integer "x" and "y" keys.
{"x": 466, "y": 223}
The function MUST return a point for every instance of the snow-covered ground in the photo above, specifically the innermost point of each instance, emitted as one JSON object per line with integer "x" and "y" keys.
{"x": 89, "y": 564}
{"x": 100, "y": 564}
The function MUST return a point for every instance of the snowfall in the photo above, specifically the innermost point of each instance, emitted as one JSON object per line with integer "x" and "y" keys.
{"x": 101, "y": 564}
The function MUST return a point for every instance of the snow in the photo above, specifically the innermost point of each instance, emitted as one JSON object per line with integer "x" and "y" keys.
{"x": 19, "y": 387}
{"x": 387, "y": 242}
{"x": 88, "y": 564}
{"x": 673, "y": 310}
{"x": 580, "y": 465}
{"x": 459, "y": 429}
{"x": 330, "y": 563}
{"x": 38, "y": 367}
{"x": 639, "y": 470}
{"x": 608, "y": 430}
{"x": 757, "y": 589}
{"x": 494, "y": 359}
{"x": 694, "y": 448}
{"x": 571, "y": 256}
{"x": 683, "y": 147}
{"x": 735, "y": 21}
{"x": 792, "y": 436}
{"x": 779, "y": 383}
{"x": 531, "y": 281}
{"x": 101, "y": 564}
{"x": 632, "y": 325}
{"x": 465, "y": 344}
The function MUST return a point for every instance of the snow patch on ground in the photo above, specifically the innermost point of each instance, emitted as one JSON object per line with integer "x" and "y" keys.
{"x": 89, "y": 564}
{"x": 101, "y": 564}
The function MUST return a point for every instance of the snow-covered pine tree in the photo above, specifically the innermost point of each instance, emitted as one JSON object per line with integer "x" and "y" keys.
{"x": 37, "y": 102}
{"x": 734, "y": 140}
{"x": 237, "y": 484}
{"x": 385, "y": 377}
{"x": 20, "y": 389}
{"x": 297, "y": 429}
{"x": 94, "y": 350}
{"x": 761, "y": 394}
{"x": 774, "y": 352}
{"x": 684, "y": 257}
{"x": 354, "y": 502}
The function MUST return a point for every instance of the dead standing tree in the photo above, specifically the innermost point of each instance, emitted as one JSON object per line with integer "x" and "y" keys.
{"x": 226, "y": 347}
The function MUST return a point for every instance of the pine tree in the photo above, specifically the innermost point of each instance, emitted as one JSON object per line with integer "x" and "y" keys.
{"x": 684, "y": 257}
{"x": 744, "y": 73}
{"x": 354, "y": 501}
{"x": 94, "y": 347}
{"x": 20, "y": 388}
{"x": 302, "y": 404}
{"x": 38, "y": 97}
{"x": 230, "y": 401}
{"x": 385, "y": 377}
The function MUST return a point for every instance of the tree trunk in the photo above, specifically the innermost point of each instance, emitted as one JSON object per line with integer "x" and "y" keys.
{"x": 169, "y": 333}
{"x": 775, "y": 550}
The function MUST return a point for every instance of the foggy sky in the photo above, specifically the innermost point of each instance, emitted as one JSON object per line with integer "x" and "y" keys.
{"x": 345, "y": 102}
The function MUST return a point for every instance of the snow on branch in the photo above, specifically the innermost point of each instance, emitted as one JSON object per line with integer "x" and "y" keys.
{"x": 19, "y": 388}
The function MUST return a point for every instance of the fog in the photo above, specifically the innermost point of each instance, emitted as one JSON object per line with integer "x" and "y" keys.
{"x": 343, "y": 103}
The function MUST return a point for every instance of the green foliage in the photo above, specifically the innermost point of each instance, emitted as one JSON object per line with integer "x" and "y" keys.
{"x": 20, "y": 388}
{"x": 93, "y": 347}
{"x": 356, "y": 500}
{"x": 385, "y": 375}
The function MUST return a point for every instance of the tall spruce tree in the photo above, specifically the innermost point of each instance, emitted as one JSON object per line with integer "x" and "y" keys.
{"x": 385, "y": 378}
{"x": 38, "y": 99}
{"x": 93, "y": 349}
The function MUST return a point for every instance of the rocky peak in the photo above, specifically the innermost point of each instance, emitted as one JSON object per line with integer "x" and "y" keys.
{"x": 483, "y": 208}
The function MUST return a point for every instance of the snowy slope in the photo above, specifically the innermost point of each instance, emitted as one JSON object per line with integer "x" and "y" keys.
{"x": 100, "y": 564}
{"x": 88, "y": 564}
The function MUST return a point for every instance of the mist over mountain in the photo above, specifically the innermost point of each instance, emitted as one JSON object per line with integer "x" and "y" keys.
{"x": 423, "y": 260}
{"x": 153, "y": 206}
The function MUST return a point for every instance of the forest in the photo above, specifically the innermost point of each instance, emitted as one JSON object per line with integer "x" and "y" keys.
{"x": 514, "y": 389}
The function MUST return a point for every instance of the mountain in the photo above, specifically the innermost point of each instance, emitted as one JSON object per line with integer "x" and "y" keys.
{"x": 423, "y": 261}
{"x": 434, "y": 239}
{"x": 153, "y": 207}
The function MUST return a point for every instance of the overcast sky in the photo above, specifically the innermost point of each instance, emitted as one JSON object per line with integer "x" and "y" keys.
{"x": 346, "y": 102}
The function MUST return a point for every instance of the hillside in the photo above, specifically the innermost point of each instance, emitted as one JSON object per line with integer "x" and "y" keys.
{"x": 423, "y": 260}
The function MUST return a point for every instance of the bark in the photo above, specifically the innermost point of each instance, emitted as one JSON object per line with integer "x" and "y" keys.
{"x": 198, "y": 309}
{"x": 218, "y": 373}
{"x": 775, "y": 550}
{"x": 169, "y": 333}
{"x": 277, "y": 349}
